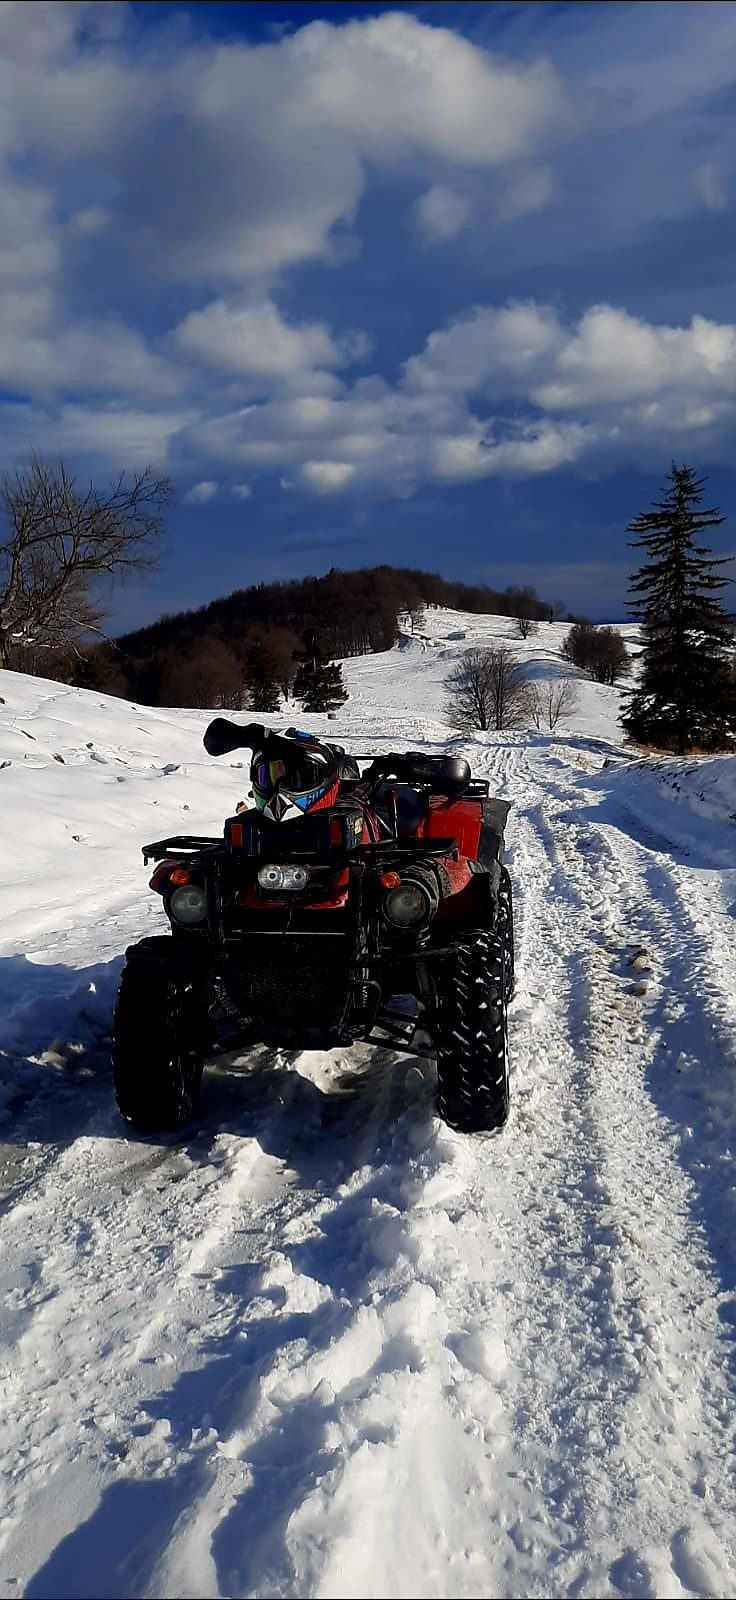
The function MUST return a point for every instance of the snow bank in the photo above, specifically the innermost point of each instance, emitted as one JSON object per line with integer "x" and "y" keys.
{"x": 707, "y": 784}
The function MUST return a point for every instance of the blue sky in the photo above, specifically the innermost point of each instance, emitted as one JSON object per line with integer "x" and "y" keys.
{"x": 446, "y": 285}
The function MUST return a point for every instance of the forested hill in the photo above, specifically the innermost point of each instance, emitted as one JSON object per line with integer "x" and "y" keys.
{"x": 354, "y": 612}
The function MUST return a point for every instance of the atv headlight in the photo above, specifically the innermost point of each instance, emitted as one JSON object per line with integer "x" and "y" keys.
{"x": 188, "y": 904}
{"x": 280, "y": 878}
{"x": 408, "y": 905}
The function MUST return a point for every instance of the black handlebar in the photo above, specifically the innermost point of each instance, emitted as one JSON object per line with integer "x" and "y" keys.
{"x": 222, "y": 736}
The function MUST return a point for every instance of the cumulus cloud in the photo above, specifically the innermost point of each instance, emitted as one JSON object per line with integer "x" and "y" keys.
{"x": 506, "y": 391}
{"x": 529, "y": 449}
{"x": 230, "y": 159}
{"x": 254, "y": 340}
{"x": 612, "y": 358}
{"x": 39, "y": 358}
{"x": 210, "y": 168}
{"x": 129, "y": 157}
{"x": 200, "y": 493}
{"x": 391, "y": 82}
{"x": 327, "y": 476}
{"x": 441, "y": 213}
{"x": 97, "y": 436}
{"x": 528, "y": 190}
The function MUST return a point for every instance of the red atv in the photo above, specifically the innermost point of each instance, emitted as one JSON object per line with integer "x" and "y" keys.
{"x": 383, "y": 917}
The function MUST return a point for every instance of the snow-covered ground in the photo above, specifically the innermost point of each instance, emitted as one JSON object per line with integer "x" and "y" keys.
{"x": 320, "y": 1345}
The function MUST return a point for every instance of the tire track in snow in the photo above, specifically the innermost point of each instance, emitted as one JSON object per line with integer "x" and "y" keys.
{"x": 680, "y": 1539}
{"x": 574, "y": 1379}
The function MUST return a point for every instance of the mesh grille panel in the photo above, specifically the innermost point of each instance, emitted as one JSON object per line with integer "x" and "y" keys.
{"x": 289, "y": 983}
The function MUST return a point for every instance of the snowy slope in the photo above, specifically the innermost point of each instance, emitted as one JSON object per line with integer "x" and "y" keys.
{"x": 320, "y": 1345}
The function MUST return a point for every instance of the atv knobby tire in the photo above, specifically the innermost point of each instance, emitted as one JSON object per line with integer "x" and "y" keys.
{"x": 158, "y": 1049}
{"x": 472, "y": 1047}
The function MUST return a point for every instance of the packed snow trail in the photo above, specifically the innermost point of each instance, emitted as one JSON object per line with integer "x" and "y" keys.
{"x": 321, "y": 1345}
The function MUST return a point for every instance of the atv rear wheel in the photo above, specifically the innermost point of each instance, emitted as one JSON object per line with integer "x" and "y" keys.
{"x": 158, "y": 1043}
{"x": 472, "y": 1046}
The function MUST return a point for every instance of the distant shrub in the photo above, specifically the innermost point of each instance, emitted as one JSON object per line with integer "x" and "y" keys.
{"x": 600, "y": 652}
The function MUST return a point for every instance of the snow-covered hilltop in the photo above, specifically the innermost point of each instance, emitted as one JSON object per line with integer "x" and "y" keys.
{"x": 320, "y": 1345}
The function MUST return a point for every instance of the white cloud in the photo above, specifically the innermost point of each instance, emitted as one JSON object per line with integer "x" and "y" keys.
{"x": 533, "y": 448}
{"x": 709, "y": 184}
{"x": 102, "y": 436}
{"x": 29, "y": 246}
{"x": 224, "y": 160}
{"x": 219, "y": 164}
{"x": 529, "y": 190}
{"x": 327, "y": 476}
{"x": 441, "y": 212}
{"x": 255, "y": 340}
{"x": 392, "y": 82}
{"x": 200, "y": 493}
{"x": 242, "y": 491}
{"x": 125, "y": 436}
{"x": 490, "y": 346}
{"x": 484, "y": 399}
{"x": 40, "y": 358}
{"x": 613, "y": 358}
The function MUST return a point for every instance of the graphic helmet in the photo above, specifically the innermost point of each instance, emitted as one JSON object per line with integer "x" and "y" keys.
{"x": 293, "y": 774}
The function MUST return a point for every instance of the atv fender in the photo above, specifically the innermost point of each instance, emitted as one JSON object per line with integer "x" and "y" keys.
{"x": 486, "y": 882}
{"x": 490, "y": 850}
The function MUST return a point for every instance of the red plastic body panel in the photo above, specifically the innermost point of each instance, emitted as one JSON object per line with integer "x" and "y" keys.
{"x": 455, "y": 819}
{"x": 161, "y": 875}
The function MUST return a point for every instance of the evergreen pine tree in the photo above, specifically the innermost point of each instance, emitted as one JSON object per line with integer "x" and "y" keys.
{"x": 682, "y": 699}
{"x": 318, "y": 683}
{"x": 261, "y": 673}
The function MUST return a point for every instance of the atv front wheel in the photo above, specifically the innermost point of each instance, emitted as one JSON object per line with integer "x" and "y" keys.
{"x": 158, "y": 1043}
{"x": 472, "y": 1045}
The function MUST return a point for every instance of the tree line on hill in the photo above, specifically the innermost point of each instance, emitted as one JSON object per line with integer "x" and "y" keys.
{"x": 236, "y": 644}
{"x": 64, "y": 540}
{"x": 256, "y": 645}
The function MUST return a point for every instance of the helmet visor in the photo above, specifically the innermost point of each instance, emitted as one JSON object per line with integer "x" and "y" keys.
{"x": 267, "y": 773}
{"x": 300, "y": 774}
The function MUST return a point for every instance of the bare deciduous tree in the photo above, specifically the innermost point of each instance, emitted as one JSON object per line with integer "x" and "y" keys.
{"x": 526, "y": 626}
{"x": 281, "y": 645}
{"x": 552, "y": 700}
{"x": 487, "y": 689}
{"x": 61, "y": 542}
{"x": 207, "y": 675}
